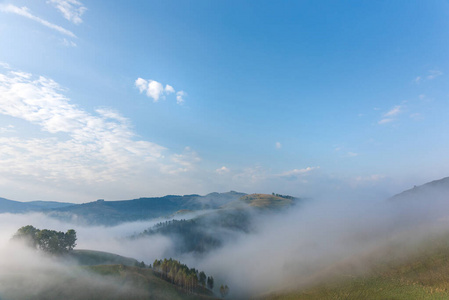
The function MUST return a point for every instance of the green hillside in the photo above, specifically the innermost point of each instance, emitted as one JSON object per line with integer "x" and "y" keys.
{"x": 149, "y": 285}
{"x": 421, "y": 275}
{"x": 91, "y": 258}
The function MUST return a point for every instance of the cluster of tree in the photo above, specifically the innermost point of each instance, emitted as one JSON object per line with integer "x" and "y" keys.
{"x": 191, "y": 235}
{"x": 203, "y": 233}
{"x": 283, "y": 196}
{"x": 181, "y": 275}
{"x": 51, "y": 241}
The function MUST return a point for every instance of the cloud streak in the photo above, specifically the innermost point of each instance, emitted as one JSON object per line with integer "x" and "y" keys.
{"x": 72, "y": 10}
{"x": 390, "y": 115}
{"x": 25, "y": 12}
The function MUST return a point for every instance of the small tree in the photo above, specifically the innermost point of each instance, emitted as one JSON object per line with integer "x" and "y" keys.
{"x": 210, "y": 282}
{"x": 224, "y": 290}
{"x": 202, "y": 278}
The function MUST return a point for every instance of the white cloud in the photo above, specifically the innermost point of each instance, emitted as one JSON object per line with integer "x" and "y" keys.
{"x": 385, "y": 121}
{"x": 222, "y": 170}
{"x": 180, "y": 97}
{"x": 68, "y": 43}
{"x": 24, "y": 12}
{"x": 278, "y": 145}
{"x": 393, "y": 112}
{"x": 416, "y": 116}
{"x": 434, "y": 74}
{"x": 184, "y": 162}
{"x": 4, "y": 65}
{"x": 431, "y": 75}
{"x": 352, "y": 154}
{"x": 297, "y": 172}
{"x": 72, "y": 10}
{"x": 141, "y": 84}
{"x": 9, "y": 128}
{"x": 155, "y": 90}
{"x": 390, "y": 115}
{"x": 169, "y": 89}
{"x": 76, "y": 148}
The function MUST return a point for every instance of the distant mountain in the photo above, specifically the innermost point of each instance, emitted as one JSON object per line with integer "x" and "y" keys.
{"x": 11, "y": 206}
{"x": 114, "y": 212}
{"x": 110, "y": 213}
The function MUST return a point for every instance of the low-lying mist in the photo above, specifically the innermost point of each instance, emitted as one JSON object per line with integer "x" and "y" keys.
{"x": 28, "y": 274}
{"x": 295, "y": 248}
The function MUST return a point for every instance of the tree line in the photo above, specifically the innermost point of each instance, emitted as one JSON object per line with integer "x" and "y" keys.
{"x": 181, "y": 275}
{"x": 50, "y": 241}
{"x": 283, "y": 196}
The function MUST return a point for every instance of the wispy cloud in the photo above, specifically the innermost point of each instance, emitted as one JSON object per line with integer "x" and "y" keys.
{"x": 25, "y": 12}
{"x": 222, "y": 170}
{"x": 393, "y": 112}
{"x": 9, "y": 128}
{"x": 68, "y": 43}
{"x": 390, "y": 115}
{"x": 278, "y": 145}
{"x": 76, "y": 146}
{"x": 180, "y": 97}
{"x": 155, "y": 90}
{"x": 434, "y": 74}
{"x": 292, "y": 174}
{"x": 431, "y": 75}
{"x": 72, "y": 10}
{"x": 371, "y": 178}
{"x": 385, "y": 121}
{"x": 183, "y": 162}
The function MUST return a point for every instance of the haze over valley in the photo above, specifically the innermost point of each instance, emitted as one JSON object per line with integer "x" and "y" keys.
{"x": 224, "y": 149}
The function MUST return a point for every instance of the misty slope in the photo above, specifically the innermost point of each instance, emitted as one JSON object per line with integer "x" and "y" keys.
{"x": 114, "y": 212}
{"x": 421, "y": 274}
{"x": 147, "y": 284}
{"x": 410, "y": 259}
{"x": 210, "y": 231}
{"x": 425, "y": 192}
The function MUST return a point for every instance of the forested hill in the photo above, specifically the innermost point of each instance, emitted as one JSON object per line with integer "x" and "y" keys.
{"x": 114, "y": 212}
{"x": 110, "y": 213}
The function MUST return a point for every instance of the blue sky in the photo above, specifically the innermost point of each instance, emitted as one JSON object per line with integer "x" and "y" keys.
{"x": 119, "y": 99}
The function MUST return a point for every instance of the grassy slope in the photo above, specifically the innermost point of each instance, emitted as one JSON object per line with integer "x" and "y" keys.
{"x": 264, "y": 201}
{"x": 423, "y": 275}
{"x": 142, "y": 283}
{"x": 91, "y": 257}
{"x": 150, "y": 285}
